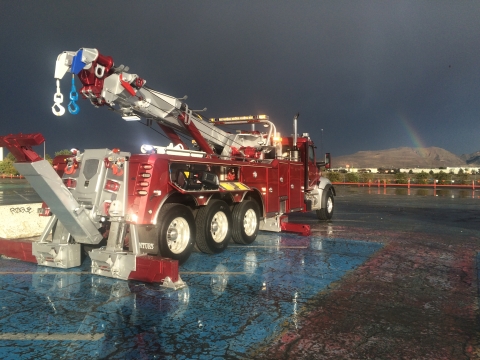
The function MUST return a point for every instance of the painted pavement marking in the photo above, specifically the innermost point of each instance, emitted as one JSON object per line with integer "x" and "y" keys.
{"x": 45, "y": 273}
{"x": 271, "y": 246}
{"x": 51, "y": 337}
{"x": 212, "y": 273}
{"x": 234, "y": 301}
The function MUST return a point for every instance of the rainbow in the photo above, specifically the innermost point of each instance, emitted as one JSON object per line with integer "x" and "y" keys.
{"x": 413, "y": 135}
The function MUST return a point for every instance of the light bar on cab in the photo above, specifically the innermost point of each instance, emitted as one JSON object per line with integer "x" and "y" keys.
{"x": 241, "y": 118}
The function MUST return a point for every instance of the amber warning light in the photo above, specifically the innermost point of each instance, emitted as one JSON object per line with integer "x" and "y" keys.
{"x": 240, "y": 118}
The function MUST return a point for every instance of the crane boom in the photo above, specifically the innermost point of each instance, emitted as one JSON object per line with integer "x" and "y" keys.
{"x": 126, "y": 94}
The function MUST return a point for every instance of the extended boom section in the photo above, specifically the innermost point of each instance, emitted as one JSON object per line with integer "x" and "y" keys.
{"x": 128, "y": 95}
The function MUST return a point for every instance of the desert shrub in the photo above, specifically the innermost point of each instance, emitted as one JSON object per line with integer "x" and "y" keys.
{"x": 401, "y": 178}
{"x": 421, "y": 178}
{"x": 441, "y": 176}
{"x": 7, "y": 168}
{"x": 351, "y": 177}
{"x": 332, "y": 176}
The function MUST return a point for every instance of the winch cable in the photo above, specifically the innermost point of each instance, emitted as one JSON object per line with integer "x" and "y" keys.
{"x": 224, "y": 143}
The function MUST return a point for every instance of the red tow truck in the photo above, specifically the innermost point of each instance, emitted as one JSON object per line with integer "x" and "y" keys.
{"x": 153, "y": 208}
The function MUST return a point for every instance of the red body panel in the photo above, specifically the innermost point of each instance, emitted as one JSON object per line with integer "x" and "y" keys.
{"x": 296, "y": 183}
{"x": 20, "y": 145}
{"x": 272, "y": 186}
{"x": 280, "y": 180}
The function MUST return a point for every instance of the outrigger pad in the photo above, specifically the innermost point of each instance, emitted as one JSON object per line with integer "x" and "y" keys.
{"x": 301, "y": 229}
{"x": 17, "y": 249}
{"x": 155, "y": 269}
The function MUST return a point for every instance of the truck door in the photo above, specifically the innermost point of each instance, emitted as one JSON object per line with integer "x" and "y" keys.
{"x": 312, "y": 172}
{"x": 296, "y": 183}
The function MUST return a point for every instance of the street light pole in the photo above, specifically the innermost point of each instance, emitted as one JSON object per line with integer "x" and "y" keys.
{"x": 321, "y": 144}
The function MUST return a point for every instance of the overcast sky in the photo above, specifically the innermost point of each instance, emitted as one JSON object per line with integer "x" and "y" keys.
{"x": 372, "y": 74}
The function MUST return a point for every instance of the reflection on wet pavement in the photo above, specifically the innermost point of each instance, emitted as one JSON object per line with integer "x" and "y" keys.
{"x": 234, "y": 302}
{"x": 392, "y": 276}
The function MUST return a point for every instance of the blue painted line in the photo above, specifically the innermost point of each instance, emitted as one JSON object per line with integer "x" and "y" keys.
{"x": 234, "y": 302}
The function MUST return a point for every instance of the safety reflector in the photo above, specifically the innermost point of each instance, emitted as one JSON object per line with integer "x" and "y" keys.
{"x": 70, "y": 183}
{"x": 106, "y": 207}
{"x": 111, "y": 185}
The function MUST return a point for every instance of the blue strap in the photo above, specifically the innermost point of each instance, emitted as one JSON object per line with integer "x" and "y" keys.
{"x": 77, "y": 63}
{"x": 72, "y": 106}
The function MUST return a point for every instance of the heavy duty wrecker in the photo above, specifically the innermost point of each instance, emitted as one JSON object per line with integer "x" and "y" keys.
{"x": 153, "y": 208}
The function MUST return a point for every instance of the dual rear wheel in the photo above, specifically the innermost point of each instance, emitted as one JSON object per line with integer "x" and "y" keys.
{"x": 214, "y": 227}
{"x": 211, "y": 229}
{"x": 176, "y": 232}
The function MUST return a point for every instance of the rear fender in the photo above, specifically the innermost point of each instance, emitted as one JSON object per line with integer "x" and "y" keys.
{"x": 174, "y": 197}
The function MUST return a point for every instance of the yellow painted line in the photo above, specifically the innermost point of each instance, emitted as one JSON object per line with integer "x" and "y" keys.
{"x": 42, "y": 273}
{"x": 211, "y": 273}
{"x": 270, "y": 246}
{"x": 350, "y": 220}
{"x": 326, "y": 230}
{"x": 51, "y": 337}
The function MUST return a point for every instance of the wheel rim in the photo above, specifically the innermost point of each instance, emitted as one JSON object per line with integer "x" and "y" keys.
{"x": 178, "y": 235}
{"x": 219, "y": 227}
{"x": 250, "y": 222}
{"x": 329, "y": 205}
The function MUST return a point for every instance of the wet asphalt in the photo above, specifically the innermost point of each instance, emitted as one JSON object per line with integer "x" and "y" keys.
{"x": 416, "y": 298}
{"x": 394, "y": 275}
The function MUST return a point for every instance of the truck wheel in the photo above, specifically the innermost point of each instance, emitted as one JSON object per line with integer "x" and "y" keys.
{"x": 326, "y": 212}
{"x": 245, "y": 218}
{"x": 214, "y": 227}
{"x": 176, "y": 232}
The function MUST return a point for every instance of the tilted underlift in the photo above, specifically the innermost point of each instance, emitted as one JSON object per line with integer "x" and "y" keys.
{"x": 77, "y": 216}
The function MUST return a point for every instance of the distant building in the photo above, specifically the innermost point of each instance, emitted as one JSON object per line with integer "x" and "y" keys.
{"x": 352, "y": 169}
{"x": 1, "y": 153}
{"x": 467, "y": 169}
{"x": 414, "y": 170}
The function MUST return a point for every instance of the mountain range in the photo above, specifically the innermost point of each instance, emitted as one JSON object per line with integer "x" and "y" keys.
{"x": 406, "y": 157}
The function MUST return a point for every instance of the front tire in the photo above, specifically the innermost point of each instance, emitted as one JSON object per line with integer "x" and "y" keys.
{"x": 214, "y": 227}
{"x": 328, "y": 204}
{"x": 176, "y": 233}
{"x": 246, "y": 220}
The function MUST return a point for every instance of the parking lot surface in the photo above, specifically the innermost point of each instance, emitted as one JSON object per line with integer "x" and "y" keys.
{"x": 392, "y": 276}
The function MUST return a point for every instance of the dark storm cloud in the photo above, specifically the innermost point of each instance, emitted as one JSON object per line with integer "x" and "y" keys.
{"x": 372, "y": 74}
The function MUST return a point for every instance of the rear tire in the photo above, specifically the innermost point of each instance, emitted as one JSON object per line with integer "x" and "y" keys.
{"x": 214, "y": 227}
{"x": 246, "y": 221}
{"x": 326, "y": 212}
{"x": 176, "y": 234}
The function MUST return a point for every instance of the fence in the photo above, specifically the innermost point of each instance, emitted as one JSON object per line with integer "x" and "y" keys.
{"x": 5, "y": 176}
{"x": 408, "y": 185}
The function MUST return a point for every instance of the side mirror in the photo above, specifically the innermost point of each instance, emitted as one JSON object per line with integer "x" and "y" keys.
{"x": 327, "y": 163}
